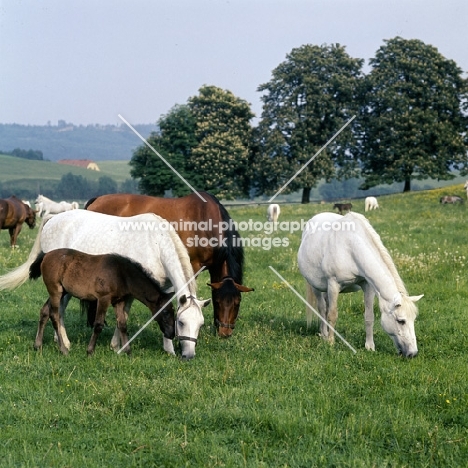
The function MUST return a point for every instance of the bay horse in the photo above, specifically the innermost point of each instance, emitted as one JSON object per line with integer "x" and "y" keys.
{"x": 13, "y": 213}
{"x": 142, "y": 238}
{"x": 108, "y": 279}
{"x": 342, "y": 207}
{"x": 340, "y": 254}
{"x": 210, "y": 236}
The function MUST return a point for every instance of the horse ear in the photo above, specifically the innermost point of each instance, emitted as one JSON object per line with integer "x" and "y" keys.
{"x": 397, "y": 300}
{"x": 416, "y": 298}
{"x": 241, "y": 288}
{"x": 214, "y": 285}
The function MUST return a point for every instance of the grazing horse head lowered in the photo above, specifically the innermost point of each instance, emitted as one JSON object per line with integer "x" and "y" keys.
{"x": 350, "y": 257}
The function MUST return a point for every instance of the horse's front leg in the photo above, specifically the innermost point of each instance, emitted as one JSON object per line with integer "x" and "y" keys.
{"x": 102, "y": 305}
{"x": 332, "y": 309}
{"x": 115, "y": 342}
{"x": 121, "y": 318}
{"x": 14, "y": 235}
{"x": 369, "y": 295}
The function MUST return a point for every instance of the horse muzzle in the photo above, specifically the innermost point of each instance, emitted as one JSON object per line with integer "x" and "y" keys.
{"x": 224, "y": 329}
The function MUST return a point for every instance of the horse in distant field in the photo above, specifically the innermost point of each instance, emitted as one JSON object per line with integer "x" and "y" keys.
{"x": 70, "y": 206}
{"x": 273, "y": 212}
{"x": 466, "y": 188}
{"x": 210, "y": 236}
{"x": 13, "y": 213}
{"x": 46, "y": 206}
{"x": 371, "y": 203}
{"x": 157, "y": 248}
{"x": 108, "y": 279}
{"x": 340, "y": 254}
{"x": 450, "y": 199}
{"x": 342, "y": 207}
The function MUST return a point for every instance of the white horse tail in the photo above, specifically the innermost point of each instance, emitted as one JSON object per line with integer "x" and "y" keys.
{"x": 20, "y": 275}
{"x": 312, "y": 301}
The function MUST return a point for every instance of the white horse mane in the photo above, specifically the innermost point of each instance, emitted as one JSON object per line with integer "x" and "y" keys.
{"x": 183, "y": 257}
{"x": 386, "y": 257}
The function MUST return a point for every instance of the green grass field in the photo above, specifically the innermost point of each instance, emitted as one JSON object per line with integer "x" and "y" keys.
{"x": 273, "y": 395}
{"x": 12, "y": 168}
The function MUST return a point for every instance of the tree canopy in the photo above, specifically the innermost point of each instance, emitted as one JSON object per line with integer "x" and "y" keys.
{"x": 413, "y": 124}
{"x": 174, "y": 141}
{"x": 207, "y": 141}
{"x": 311, "y": 95}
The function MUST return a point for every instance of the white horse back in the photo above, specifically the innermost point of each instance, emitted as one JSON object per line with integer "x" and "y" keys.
{"x": 136, "y": 237}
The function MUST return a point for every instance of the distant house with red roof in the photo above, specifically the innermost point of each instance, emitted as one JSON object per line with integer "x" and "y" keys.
{"x": 84, "y": 163}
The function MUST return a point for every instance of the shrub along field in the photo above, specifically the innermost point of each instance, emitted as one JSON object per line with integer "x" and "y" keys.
{"x": 274, "y": 394}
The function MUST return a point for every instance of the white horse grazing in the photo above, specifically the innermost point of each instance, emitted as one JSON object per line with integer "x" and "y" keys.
{"x": 273, "y": 212}
{"x": 371, "y": 203}
{"x": 146, "y": 239}
{"x": 341, "y": 254}
{"x": 46, "y": 206}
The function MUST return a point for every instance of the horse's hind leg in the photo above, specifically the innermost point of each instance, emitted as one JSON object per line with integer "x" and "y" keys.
{"x": 369, "y": 295}
{"x": 332, "y": 309}
{"x": 322, "y": 307}
{"x": 43, "y": 318}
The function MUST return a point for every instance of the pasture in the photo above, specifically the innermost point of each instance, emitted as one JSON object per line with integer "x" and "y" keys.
{"x": 274, "y": 394}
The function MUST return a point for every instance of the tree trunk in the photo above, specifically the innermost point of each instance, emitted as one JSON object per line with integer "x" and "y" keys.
{"x": 306, "y": 195}
{"x": 407, "y": 187}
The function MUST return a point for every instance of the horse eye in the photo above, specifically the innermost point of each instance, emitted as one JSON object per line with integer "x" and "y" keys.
{"x": 401, "y": 321}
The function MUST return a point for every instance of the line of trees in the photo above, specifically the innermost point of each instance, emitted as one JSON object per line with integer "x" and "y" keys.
{"x": 70, "y": 187}
{"x": 411, "y": 124}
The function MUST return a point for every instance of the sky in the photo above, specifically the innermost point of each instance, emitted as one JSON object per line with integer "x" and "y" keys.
{"x": 89, "y": 61}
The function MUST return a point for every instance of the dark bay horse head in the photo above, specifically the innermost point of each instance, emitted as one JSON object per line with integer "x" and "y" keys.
{"x": 226, "y": 302}
{"x": 30, "y": 217}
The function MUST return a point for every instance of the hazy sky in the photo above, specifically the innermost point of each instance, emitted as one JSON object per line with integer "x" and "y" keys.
{"x": 87, "y": 61}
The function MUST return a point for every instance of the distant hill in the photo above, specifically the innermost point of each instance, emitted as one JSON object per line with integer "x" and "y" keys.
{"x": 26, "y": 178}
{"x": 68, "y": 141}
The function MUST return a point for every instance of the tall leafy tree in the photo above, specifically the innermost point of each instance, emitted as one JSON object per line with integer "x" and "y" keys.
{"x": 223, "y": 134}
{"x": 311, "y": 95}
{"x": 174, "y": 141}
{"x": 414, "y": 121}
